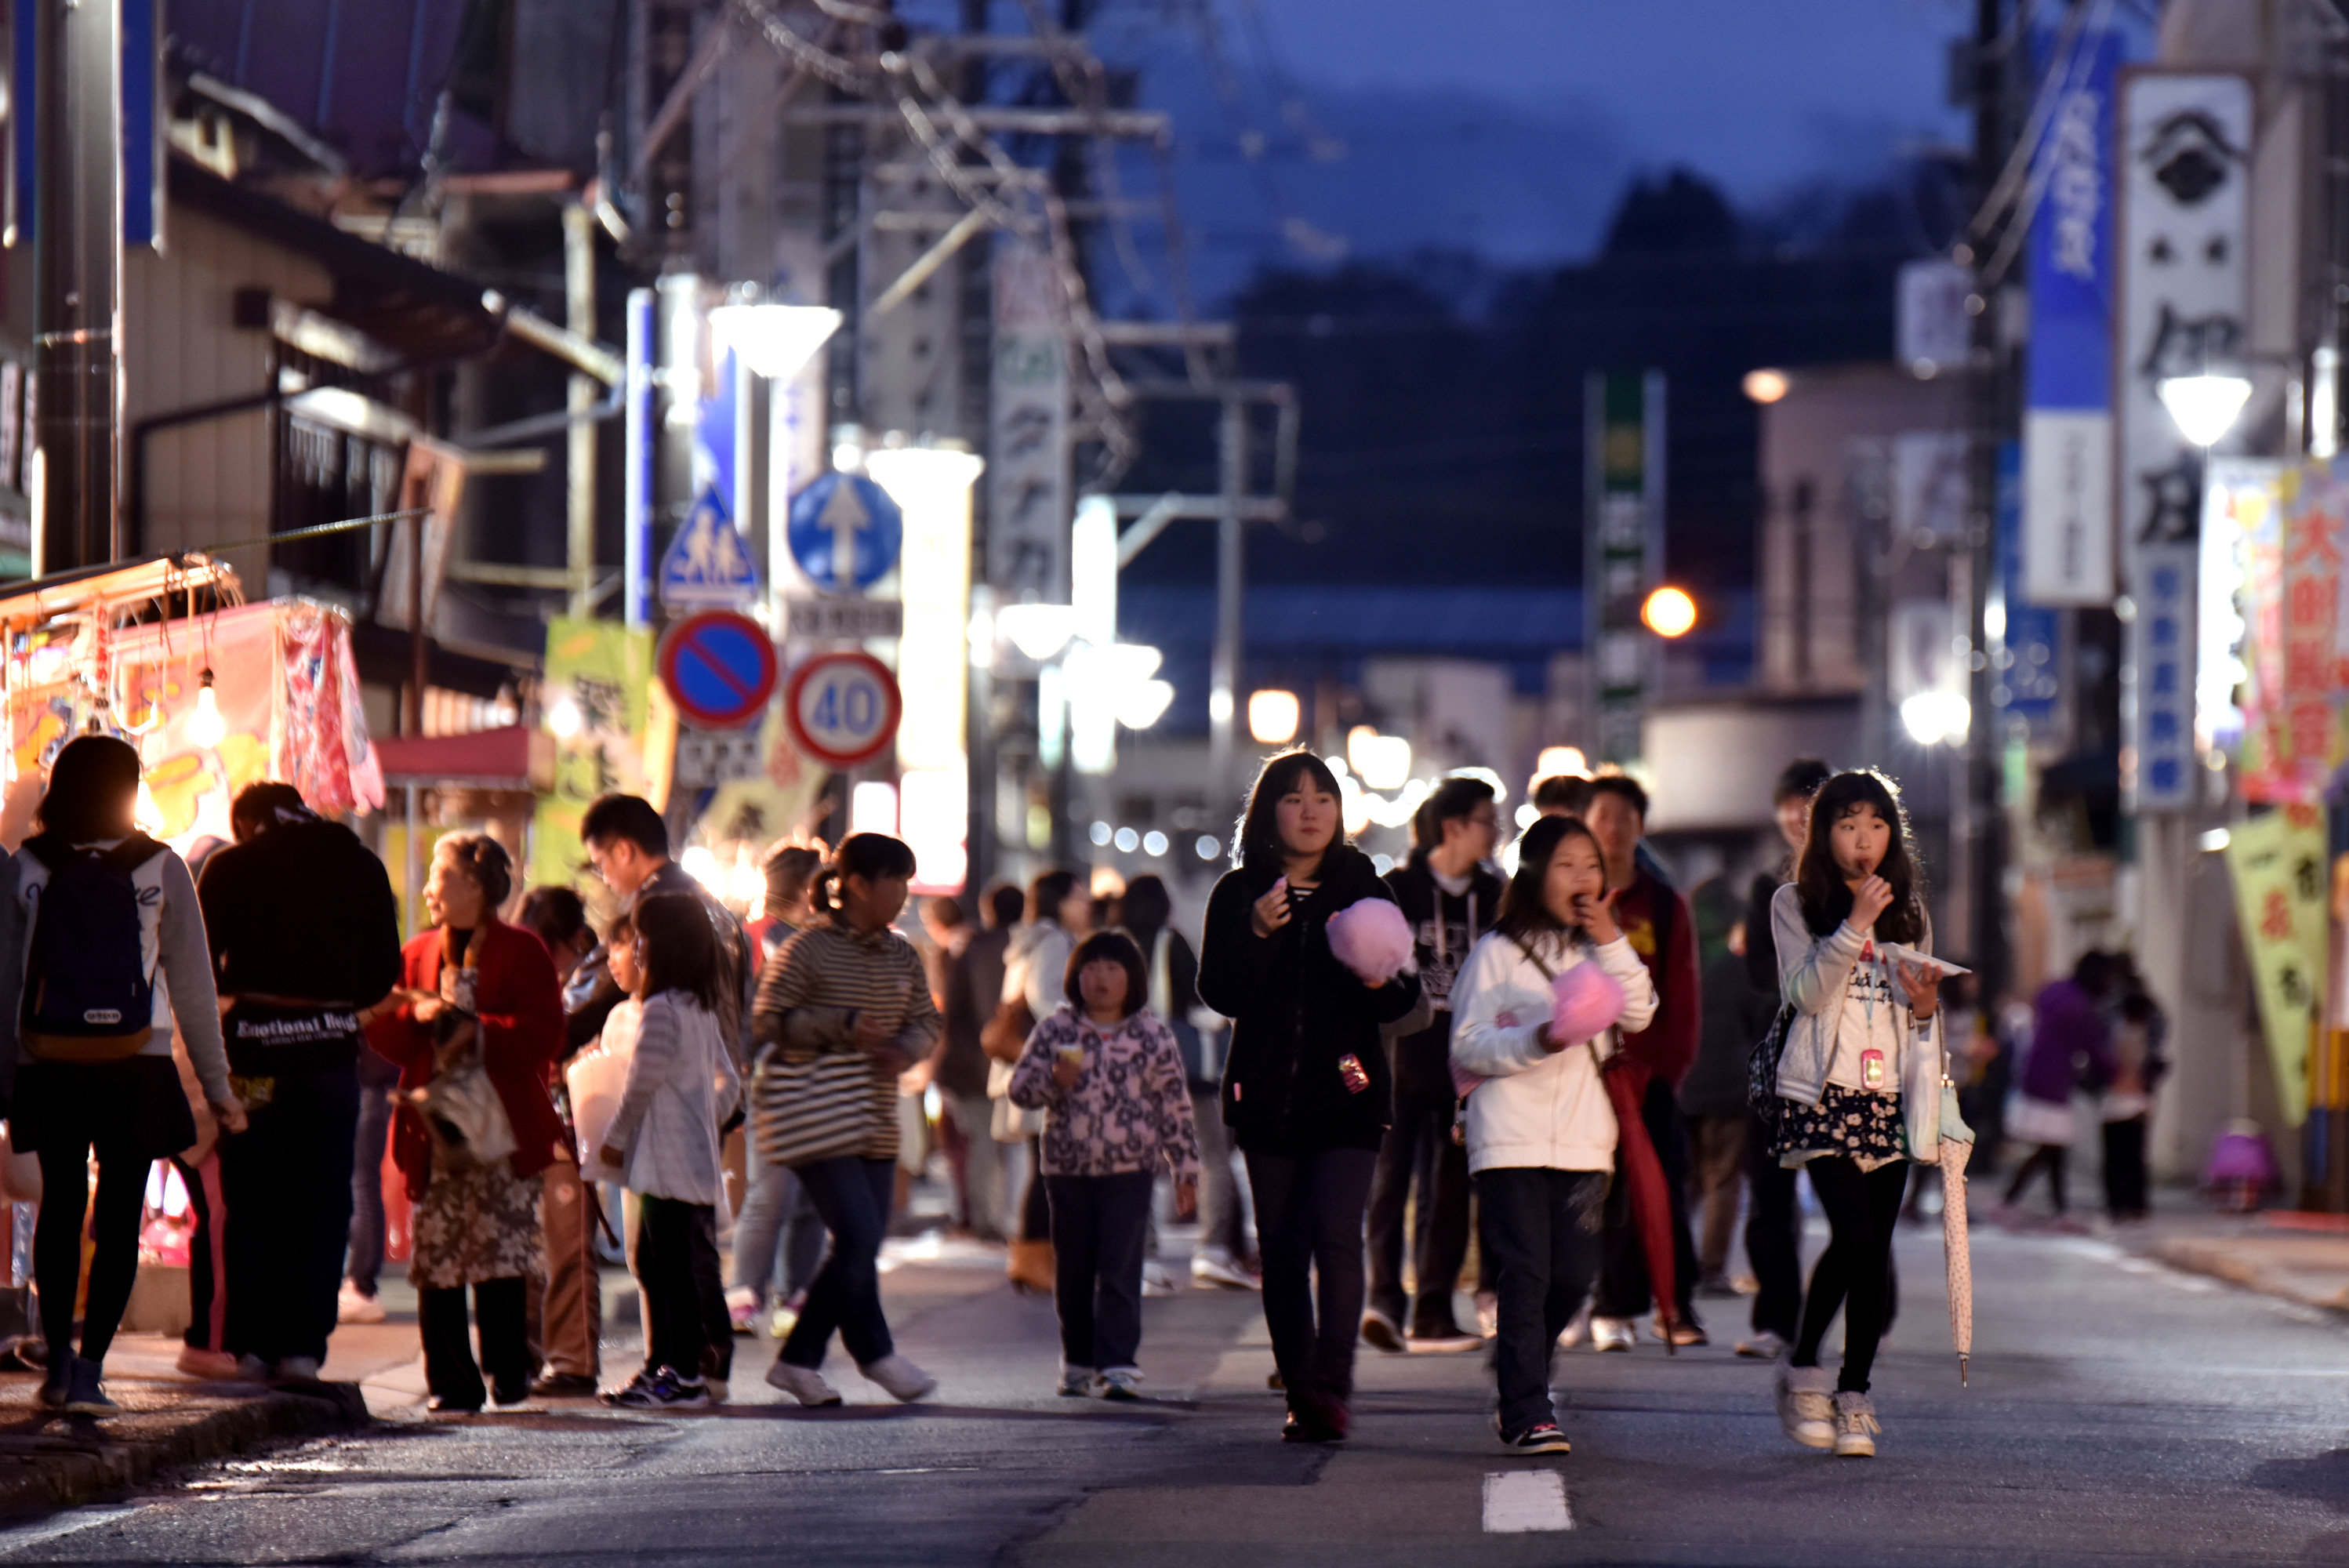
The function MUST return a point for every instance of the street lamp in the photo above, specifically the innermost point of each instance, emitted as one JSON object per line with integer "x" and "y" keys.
{"x": 2204, "y": 405}
{"x": 1933, "y": 716}
{"x": 775, "y": 340}
{"x": 1669, "y": 611}
{"x": 1273, "y": 717}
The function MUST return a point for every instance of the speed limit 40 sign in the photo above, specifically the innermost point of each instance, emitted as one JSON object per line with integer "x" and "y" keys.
{"x": 843, "y": 707}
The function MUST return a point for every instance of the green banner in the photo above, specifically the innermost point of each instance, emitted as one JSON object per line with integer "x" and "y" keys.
{"x": 593, "y": 703}
{"x": 2278, "y": 864}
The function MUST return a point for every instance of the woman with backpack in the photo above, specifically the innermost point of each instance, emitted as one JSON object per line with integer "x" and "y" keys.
{"x": 848, "y": 1002}
{"x": 1059, "y": 912}
{"x": 1859, "y": 1081}
{"x": 102, "y": 950}
{"x": 479, "y": 1003}
{"x": 1306, "y": 1090}
{"x": 1541, "y": 1128}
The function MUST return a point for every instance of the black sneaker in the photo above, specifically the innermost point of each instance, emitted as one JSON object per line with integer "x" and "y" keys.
{"x": 1542, "y": 1438}
{"x": 563, "y": 1385}
{"x": 85, "y": 1395}
{"x": 665, "y": 1391}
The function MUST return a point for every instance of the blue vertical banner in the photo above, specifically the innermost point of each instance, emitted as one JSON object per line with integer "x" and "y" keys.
{"x": 142, "y": 124}
{"x": 2029, "y": 635}
{"x": 23, "y": 162}
{"x": 2067, "y": 424}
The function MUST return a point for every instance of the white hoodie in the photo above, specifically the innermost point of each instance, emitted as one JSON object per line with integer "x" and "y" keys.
{"x": 1540, "y": 1108}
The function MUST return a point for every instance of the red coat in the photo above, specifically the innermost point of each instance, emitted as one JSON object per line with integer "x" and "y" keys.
{"x": 520, "y": 1003}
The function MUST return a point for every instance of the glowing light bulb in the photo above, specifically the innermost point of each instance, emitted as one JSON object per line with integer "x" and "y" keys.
{"x": 562, "y": 719}
{"x": 205, "y": 726}
{"x": 147, "y": 814}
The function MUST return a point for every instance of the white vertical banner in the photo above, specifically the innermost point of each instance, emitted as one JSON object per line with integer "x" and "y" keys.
{"x": 1028, "y": 490}
{"x": 2185, "y": 141}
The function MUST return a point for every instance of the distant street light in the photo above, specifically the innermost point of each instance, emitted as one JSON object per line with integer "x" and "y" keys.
{"x": 1382, "y": 760}
{"x": 774, "y": 340}
{"x": 2204, "y": 406}
{"x": 1766, "y": 386}
{"x": 1273, "y": 717}
{"x": 1039, "y": 631}
{"x": 1932, "y": 716}
{"x": 1669, "y": 611}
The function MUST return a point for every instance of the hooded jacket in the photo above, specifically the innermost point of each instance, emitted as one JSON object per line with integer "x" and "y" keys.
{"x": 1297, "y": 1013}
{"x": 1540, "y": 1108}
{"x": 1445, "y": 927}
{"x": 1813, "y": 971}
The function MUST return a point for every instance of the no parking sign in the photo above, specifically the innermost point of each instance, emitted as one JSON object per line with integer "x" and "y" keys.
{"x": 843, "y": 707}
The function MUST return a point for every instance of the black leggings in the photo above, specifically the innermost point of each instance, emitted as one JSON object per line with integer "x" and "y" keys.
{"x": 57, "y": 1245}
{"x": 1309, "y": 1222}
{"x": 1856, "y": 1268}
{"x": 2047, "y": 1157}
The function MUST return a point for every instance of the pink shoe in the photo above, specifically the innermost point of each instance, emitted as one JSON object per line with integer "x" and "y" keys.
{"x": 210, "y": 1365}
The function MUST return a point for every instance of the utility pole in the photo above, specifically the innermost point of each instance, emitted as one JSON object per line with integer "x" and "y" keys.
{"x": 77, "y": 207}
{"x": 1231, "y": 585}
{"x": 1980, "y": 826}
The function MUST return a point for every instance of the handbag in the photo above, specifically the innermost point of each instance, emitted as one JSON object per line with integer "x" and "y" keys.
{"x": 819, "y": 1109}
{"x": 466, "y": 1117}
{"x": 1005, "y": 1035}
{"x": 1762, "y": 1066}
{"x": 1008, "y": 1123}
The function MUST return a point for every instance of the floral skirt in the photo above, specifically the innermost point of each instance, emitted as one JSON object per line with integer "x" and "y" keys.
{"x": 1865, "y": 1127}
{"x": 476, "y": 1222}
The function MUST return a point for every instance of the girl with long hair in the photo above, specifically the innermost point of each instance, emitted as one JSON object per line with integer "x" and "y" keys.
{"x": 1306, "y": 1091}
{"x": 1541, "y": 1128}
{"x": 1860, "y": 1081}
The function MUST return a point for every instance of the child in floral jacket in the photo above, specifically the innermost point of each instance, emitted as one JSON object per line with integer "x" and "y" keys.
{"x": 1109, "y": 1077}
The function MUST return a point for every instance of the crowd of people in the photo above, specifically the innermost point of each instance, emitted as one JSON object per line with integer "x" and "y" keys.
{"x": 1575, "y": 1076}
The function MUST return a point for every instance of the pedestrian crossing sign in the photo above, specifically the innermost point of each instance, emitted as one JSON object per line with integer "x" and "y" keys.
{"x": 707, "y": 565}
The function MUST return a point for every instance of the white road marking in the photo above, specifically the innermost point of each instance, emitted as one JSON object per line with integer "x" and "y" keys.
{"x": 65, "y": 1523}
{"x": 1518, "y": 1502}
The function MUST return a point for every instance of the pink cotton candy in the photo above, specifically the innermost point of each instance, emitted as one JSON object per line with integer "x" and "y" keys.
{"x": 1371, "y": 938}
{"x": 1587, "y": 1002}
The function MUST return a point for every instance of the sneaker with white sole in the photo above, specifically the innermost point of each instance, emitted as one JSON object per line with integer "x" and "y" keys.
{"x": 212, "y": 1366}
{"x": 1577, "y": 1331}
{"x": 1807, "y": 1404}
{"x": 1077, "y": 1382}
{"x": 1686, "y": 1332}
{"x": 742, "y": 1308}
{"x": 86, "y": 1396}
{"x": 1218, "y": 1269}
{"x": 1542, "y": 1438}
{"x": 665, "y": 1390}
{"x": 1613, "y": 1332}
{"x": 804, "y": 1383}
{"x": 1855, "y": 1426}
{"x": 295, "y": 1369}
{"x": 1379, "y": 1332}
{"x": 355, "y": 1305}
{"x": 1488, "y": 1314}
{"x": 1763, "y": 1346}
{"x": 1120, "y": 1383}
{"x": 903, "y": 1381}
{"x": 1157, "y": 1280}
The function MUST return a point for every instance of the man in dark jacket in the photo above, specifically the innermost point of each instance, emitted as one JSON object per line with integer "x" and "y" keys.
{"x": 304, "y": 937}
{"x": 1773, "y": 1224}
{"x": 973, "y": 982}
{"x": 1656, "y": 920}
{"x": 1713, "y": 1095}
{"x": 1450, "y": 898}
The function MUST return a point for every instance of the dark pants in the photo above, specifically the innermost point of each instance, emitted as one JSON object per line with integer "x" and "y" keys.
{"x": 1308, "y": 1217}
{"x": 1774, "y": 1229}
{"x": 501, "y": 1308}
{"x": 1419, "y": 1148}
{"x": 364, "y": 1265}
{"x": 853, "y": 1195}
{"x": 2125, "y": 1168}
{"x": 709, "y": 1289}
{"x": 287, "y": 1179}
{"x": 1035, "y": 1216}
{"x": 113, "y": 1230}
{"x": 1623, "y": 1288}
{"x": 2047, "y": 1157}
{"x": 1856, "y": 1271}
{"x": 676, "y": 1332}
{"x": 207, "y": 1258}
{"x": 1098, "y": 1224}
{"x": 1544, "y": 1227}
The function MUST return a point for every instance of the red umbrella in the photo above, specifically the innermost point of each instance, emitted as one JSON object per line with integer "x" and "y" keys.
{"x": 1643, "y": 1173}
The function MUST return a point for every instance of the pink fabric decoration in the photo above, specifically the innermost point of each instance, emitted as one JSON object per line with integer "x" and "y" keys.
{"x": 1588, "y": 1002}
{"x": 1371, "y": 938}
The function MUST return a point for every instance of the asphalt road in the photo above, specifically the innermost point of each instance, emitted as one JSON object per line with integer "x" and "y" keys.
{"x": 2119, "y": 1413}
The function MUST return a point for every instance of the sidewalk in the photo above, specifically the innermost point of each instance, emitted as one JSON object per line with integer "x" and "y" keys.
{"x": 2303, "y": 1258}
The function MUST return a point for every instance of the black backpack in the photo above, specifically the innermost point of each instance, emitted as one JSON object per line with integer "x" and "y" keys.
{"x": 88, "y": 993}
{"x": 1762, "y": 1066}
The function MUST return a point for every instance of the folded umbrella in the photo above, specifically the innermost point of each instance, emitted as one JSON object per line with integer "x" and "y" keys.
{"x": 1957, "y": 1251}
{"x": 1644, "y": 1175}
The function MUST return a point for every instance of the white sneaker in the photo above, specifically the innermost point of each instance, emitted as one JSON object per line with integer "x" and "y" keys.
{"x": 905, "y": 1382}
{"x": 1807, "y": 1405}
{"x": 1120, "y": 1383}
{"x": 1077, "y": 1382}
{"x": 804, "y": 1383}
{"x": 1379, "y": 1331}
{"x": 1763, "y": 1346}
{"x": 1488, "y": 1314}
{"x": 295, "y": 1369}
{"x": 351, "y": 1307}
{"x": 1855, "y": 1426}
{"x": 1217, "y": 1268}
{"x": 1155, "y": 1280}
{"x": 1613, "y": 1332}
{"x": 1577, "y": 1331}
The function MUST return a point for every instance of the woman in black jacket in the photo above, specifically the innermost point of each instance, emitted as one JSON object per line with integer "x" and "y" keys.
{"x": 1307, "y": 1093}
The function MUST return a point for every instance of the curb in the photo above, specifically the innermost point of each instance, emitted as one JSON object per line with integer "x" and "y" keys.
{"x": 2219, "y": 1260}
{"x": 55, "y": 1471}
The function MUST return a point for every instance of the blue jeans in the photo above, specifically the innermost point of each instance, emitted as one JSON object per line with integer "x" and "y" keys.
{"x": 1543, "y": 1228}
{"x": 777, "y": 1218}
{"x": 363, "y": 1260}
{"x": 853, "y": 1197}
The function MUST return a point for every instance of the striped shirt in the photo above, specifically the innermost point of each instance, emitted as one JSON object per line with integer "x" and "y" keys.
{"x": 825, "y": 982}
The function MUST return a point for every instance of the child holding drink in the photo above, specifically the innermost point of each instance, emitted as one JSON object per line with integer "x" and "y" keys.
{"x": 1109, "y": 1077}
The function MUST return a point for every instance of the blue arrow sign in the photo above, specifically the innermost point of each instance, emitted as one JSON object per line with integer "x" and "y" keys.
{"x": 707, "y": 562}
{"x": 846, "y": 520}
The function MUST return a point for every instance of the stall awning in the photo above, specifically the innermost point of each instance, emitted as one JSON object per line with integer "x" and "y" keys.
{"x": 513, "y": 758}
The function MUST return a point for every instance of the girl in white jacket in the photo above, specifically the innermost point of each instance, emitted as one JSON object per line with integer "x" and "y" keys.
{"x": 1541, "y": 1133}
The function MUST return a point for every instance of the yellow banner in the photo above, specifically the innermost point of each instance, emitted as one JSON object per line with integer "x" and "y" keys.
{"x": 2277, "y": 861}
{"x": 595, "y": 705}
